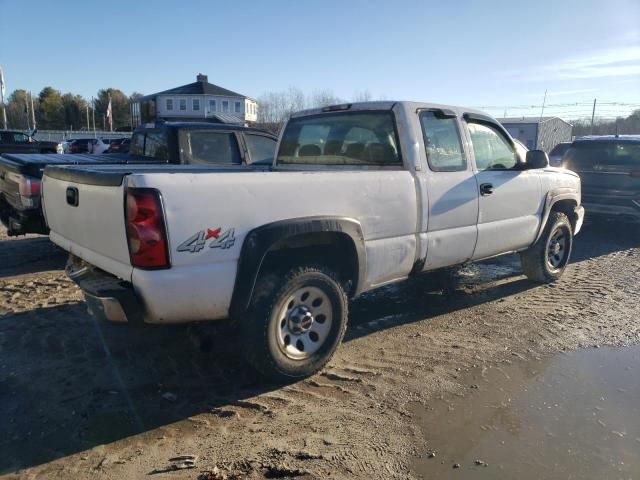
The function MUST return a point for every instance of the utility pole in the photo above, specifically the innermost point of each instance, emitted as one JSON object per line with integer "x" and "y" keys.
{"x": 88, "y": 125}
{"x": 4, "y": 109}
{"x": 544, "y": 101}
{"x": 593, "y": 114}
{"x": 93, "y": 114}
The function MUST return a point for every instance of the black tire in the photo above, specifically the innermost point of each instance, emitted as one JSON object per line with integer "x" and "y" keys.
{"x": 539, "y": 262}
{"x": 261, "y": 329}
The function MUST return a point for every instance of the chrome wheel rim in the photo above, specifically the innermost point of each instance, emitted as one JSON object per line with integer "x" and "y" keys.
{"x": 557, "y": 247}
{"x": 304, "y": 322}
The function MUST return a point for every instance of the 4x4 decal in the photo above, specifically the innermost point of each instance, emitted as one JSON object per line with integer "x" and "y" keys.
{"x": 197, "y": 242}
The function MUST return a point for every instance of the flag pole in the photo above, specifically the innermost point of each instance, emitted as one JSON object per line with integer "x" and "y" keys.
{"x": 26, "y": 109}
{"x": 4, "y": 110}
{"x": 33, "y": 112}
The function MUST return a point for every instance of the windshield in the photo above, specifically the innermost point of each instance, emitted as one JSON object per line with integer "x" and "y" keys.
{"x": 346, "y": 138}
{"x": 559, "y": 149}
{"x": 592, "y": 155}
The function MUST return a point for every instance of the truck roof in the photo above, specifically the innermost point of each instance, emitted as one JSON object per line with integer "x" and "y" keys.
{"x": 200, "y": 125}
{"x": 610, "y": 138}
{"x": 385, "y": 105}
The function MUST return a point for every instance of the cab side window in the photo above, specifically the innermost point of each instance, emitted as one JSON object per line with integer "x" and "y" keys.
{"x": 442, "y": 143}
{"x": 491, "y": 149}
{"x": 261, "y": 149}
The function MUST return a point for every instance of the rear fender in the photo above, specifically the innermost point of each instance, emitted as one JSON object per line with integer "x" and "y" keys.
{"x": 260, "y": 241}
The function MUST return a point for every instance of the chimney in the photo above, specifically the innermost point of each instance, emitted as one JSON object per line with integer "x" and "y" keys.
{"x": 202, "y": 78}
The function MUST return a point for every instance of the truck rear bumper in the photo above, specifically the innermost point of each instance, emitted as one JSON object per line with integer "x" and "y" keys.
{"x": 21, "y": 222}
{"x": 108, "y": 298}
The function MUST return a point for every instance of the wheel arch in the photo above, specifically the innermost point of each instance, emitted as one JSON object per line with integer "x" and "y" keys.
{"x": 342, "y": 234}
{"x": 564, "y": 200}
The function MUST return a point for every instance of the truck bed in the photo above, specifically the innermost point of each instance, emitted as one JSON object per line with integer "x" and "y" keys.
{"x": 33, "y": 164}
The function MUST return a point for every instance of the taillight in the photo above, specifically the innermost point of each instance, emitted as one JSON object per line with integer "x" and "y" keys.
{"x": 635, "y": 173}
{"x": 146, "y": 235}
{"x": 29, "y": 186}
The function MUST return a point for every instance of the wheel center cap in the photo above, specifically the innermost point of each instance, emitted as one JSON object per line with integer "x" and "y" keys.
{"x": 300, "y": 320}
{"x": 555, "y": 248}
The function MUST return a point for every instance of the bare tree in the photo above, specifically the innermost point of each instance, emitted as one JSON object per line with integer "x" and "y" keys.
{"x": 362, "y": 96}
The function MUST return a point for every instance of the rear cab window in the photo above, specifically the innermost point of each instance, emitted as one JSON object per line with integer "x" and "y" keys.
{"x": 137, "y": 144}
{"x": 155, "y": 146}
{"x": 602, "y": 156}
{"x": 363, "y": 138}
{"x": 205, "y": 146}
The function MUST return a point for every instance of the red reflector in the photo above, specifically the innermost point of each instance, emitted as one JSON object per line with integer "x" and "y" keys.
{"x": 146, "y": 233}
{"x": 635, "y": 174}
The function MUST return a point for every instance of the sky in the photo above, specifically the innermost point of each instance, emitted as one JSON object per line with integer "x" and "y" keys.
{"x": 497, "y": 55}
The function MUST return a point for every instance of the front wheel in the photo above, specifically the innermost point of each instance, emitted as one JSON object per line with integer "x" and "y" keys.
{"x": 295, "y": 323}
{"x": 546, "y": 259}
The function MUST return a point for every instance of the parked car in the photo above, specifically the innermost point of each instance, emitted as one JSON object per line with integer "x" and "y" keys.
{"x": 557, "y": 152}
{"x": 204, "y": 144}
{"x": 361, "y": 195}
{"x": 120, "y": 145}
{"x": 66, "y": 145}
{"x": 13, "y": 141}
{"x": 609, "y": 167}
{"x": 80, "y": 145}
{"x": 99, "y": 145}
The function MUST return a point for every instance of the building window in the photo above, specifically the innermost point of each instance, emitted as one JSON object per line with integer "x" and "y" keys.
{"x": 225, "y": 106}
{"x": 212, "y": 105}
{"x": 169, "y": 103}
{"x": 196, "y": 104}
{"x": 237, "y": 107}
{"x": 183, "y": 104}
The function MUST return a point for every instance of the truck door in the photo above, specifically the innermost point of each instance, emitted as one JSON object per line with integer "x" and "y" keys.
{"x": 510, "y": 197}
{"x": 451, "y": 189}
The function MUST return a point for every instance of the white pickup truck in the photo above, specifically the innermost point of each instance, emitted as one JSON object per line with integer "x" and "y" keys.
{"x": 361, "y": 195}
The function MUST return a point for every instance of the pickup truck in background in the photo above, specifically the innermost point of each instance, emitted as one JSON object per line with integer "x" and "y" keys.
{"x": 166, "y": 143}
{"x": 361, "y": 195}
{"x": 14, "y": 141}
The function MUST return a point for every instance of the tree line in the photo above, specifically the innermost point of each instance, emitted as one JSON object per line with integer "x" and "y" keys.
{"x": 620, "y": 126}
{"x": 54, "y": 110}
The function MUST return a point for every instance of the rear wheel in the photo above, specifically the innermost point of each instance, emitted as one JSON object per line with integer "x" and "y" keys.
{"x": 295, "y": 324}
{"x": 546, "y": 260}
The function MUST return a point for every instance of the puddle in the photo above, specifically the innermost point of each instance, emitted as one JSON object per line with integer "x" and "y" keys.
{"x": 572, "y": 416}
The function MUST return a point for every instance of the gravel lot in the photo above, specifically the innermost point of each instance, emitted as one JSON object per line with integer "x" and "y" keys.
{"x": 82, "y": 399}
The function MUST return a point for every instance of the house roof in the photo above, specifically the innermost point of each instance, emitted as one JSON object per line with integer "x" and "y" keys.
{"x": 528, "y": 120}
{"x": 197, "y": 88}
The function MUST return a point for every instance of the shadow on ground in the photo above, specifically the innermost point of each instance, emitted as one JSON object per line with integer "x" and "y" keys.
{"x": 30, "y": 255}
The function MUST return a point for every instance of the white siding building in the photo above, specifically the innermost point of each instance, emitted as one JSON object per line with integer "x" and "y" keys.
{"x": 202, "y": 101}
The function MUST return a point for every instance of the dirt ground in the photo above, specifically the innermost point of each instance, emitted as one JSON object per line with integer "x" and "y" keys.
{"x": 81, "y": 399}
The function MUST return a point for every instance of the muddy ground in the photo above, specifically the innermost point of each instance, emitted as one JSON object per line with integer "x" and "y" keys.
{"x": 81, "y": 399}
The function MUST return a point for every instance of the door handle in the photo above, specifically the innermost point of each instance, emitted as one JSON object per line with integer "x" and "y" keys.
{"x": 486, "y": 189}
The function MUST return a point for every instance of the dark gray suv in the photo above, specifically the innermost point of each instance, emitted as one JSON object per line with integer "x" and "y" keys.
{"x": 609, "y": 167}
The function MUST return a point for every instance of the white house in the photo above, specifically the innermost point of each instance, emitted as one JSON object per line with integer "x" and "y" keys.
{"x": 204, "y": 101}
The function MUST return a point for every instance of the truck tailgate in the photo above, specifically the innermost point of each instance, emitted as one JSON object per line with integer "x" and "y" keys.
{"x": 85, "y": 213}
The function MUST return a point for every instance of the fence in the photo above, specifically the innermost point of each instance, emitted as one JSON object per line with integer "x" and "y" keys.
{"x": 61, "y": 135}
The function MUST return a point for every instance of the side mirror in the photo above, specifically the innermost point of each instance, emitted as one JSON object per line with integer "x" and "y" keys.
{"x": 537, "y": 159}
